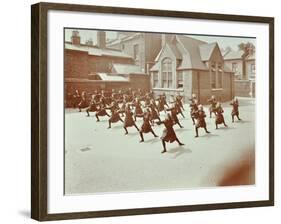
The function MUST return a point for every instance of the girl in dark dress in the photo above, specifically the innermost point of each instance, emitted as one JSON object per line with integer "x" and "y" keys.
{"x": 83, "y": 102}
{"x": 235, "y": 109}
{"x": 154, "y": 113}
{"x": 161, "y": 104}
{"x": 179, "y": 101}
{"x": 129, "y": 121}
{"x": 219, "y": 115}
{"x": 213, "y": 104}
{"x": 200, "y": 120}
{"x": 115, "y": 117}
{"x": 92, "y": 106}
{"x": 138, "y": 109}
{"x": 122, "y": 108}
{"x": 168, "y": 134}
{"x": 178, "y": 109}
{"x": 146, "y": 127}
{"x": 76, "y": 98}
{"x": 174, "y": 112}
{"x": 101, "y": 112}
{"x": 193, "y": 109}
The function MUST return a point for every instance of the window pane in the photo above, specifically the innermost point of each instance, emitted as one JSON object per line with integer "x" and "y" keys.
{"x": 219, "y": 80}
{"x": 167, "y": 73}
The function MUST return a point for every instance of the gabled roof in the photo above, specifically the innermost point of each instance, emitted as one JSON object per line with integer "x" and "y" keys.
{"x": 92, "y": 50}
{"x": 186, "y": 50}
{"x": 126, "y": 69}
{"x": 232, "y": 55}
{"x": 191, "y": 53}
{"x": 206, "y": 51}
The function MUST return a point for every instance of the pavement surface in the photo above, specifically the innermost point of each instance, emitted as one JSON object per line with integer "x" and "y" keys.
{"x": 99, "y": 160}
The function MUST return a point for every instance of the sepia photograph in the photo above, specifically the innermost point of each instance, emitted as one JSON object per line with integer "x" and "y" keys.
{"x": 157, "y": 111}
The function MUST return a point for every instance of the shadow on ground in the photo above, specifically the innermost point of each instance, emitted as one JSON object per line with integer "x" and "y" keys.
{"x": 178, "y": 151}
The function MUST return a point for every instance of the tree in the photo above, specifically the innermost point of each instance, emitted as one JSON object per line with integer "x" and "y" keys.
{"x": 248, "y": 48}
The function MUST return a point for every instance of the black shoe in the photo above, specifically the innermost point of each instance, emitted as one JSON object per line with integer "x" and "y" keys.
{"x": 208, "y": 132}
{"x": 180, "y": 144}
{"x": 163, "y": 151}
{"x": 196, "y": 136}
{"x": 126, "y": 133}
{"x": 141, "y": 141}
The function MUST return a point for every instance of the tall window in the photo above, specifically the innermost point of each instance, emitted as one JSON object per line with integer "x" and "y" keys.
{"x": 234, "y": 67}
{"x": 219, "y": 75}
{"x": 216, "y": 75}
{"x": 155, "y": 79}
{"x": 167, "y": 75}
{"x": 253, "y": 68}
{"x": 213, "y": 75}
{"x": 136, "y": 51}
{"x": 179, "y": 80}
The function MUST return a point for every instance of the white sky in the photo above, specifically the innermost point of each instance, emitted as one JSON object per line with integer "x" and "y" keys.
{"x": 223, "y": 42}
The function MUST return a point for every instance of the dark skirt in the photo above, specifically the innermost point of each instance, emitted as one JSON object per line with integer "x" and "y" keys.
{"x": 161, "y": 107}
{"x": 154, "y": 115}
{"x": 235, "y": 113}
{"x": 219, "y": 119}
{"x": 169, "y": 135}
{"x": 200, "y": 123}
{"x": 102, "y": 112}
{"x": 146, "y": 127}
{"x": 129, "y": 122}
{"x": 114, "y": 118}
{"x": 82, "y": 104}
{"x": 92, "y": 108}
{"x": 138, "y": 111}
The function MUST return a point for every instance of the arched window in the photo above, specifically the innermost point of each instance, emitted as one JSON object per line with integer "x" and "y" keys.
{"x": 216, "y": 75}
{"x": 167, "y": 75}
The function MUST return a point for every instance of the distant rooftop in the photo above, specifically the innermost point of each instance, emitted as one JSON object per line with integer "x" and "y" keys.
{"x": 126, "y": 69}
{"x": 231, "y": 55}
{"x": 94, "y": 50}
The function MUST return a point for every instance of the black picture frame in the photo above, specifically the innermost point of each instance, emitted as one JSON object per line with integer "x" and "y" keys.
{"x": 39, "y": 108}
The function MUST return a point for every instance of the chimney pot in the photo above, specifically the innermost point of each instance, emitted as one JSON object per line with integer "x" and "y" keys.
{"x": 101, "y": 39}
{"x": 75, "y": 38}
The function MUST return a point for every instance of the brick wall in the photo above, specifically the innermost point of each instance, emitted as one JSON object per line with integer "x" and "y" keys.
{"x": 78, "y": 64}
{"x": 244, "y": 88}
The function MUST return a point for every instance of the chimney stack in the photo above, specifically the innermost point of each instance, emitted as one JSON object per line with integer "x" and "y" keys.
{"x": 75, "y": 38}
{"x": 101, "y": 39}
{"x": 166, "y": 38}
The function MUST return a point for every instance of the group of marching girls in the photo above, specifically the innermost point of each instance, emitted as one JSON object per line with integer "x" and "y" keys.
{"x": 128, "y": 106}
